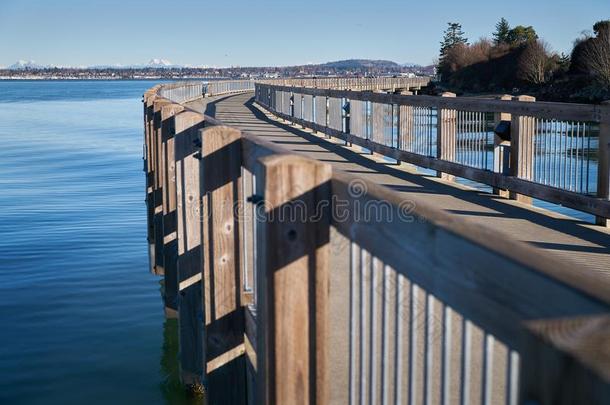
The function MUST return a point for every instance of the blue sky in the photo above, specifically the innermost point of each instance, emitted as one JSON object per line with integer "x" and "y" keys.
{"x": 250, "y": 33}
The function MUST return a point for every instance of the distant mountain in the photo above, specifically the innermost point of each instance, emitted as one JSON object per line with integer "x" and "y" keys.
{"x": 152, "y": 64}
{"x": 160, "y": 63}
{"x": 25, "y": 64}
{"x": 361, "y": 64}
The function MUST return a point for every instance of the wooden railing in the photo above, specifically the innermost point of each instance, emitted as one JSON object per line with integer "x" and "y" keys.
{"x": 555, "y": 152}
{"x": 361, "y": 84}
{"x": 320, "y": 287}
{"x": 182, "y": 92}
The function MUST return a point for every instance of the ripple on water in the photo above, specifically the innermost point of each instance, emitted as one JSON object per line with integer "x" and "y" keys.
{"x": 82, "y": 318}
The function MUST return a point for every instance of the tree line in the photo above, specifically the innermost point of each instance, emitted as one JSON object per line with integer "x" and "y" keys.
{"x": 517, "y": 60}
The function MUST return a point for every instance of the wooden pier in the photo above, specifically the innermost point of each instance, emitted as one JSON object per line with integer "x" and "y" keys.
{"x": 305, "y": 270}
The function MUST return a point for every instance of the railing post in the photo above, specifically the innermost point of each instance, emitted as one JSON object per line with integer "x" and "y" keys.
{"x": 293, "y": 286}
{"x": 221, "y": 189}
{"x": 501, "y": 148}
{"x": 149, "y": 97}
{"x": 522, "y": 131}
{"x": 446, "y": 135}
{"x": 405, "y": 124}
{"x": 189, "y": 266}
{"x": 170, "y": 247}
{"x": 603, "y": 169}
{"x": 157, "y": 199}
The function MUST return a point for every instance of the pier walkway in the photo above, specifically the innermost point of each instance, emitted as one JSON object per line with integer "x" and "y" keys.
{"x": 344, "y": 241}
{"x": 584, "y": 245}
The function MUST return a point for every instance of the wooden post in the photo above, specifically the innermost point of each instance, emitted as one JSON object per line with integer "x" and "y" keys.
{"x": 405, "y": 125}
{"x": 293, "y": 287}
{"x": 150, "y": 180}
{"x": 522, "y": 131}
{"x": 158, "y": 185}
{"x": 221, "y": 188}
{"x": 170, "y": 247}
{"x": 603, "y": 169}
{"x": 501, "y": 157}
{"x": 189, "y": 268}
{"x": 446, "y": 136}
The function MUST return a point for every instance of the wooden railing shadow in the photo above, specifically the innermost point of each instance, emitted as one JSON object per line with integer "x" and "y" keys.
{"x": 490, "y": 201}
{"x": 471, "y": 285}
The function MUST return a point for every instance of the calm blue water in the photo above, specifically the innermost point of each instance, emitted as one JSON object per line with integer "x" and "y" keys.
{"x": 82, "y": 320}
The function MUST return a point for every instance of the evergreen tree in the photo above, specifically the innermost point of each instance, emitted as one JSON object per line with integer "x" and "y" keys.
{"x": 521, "y": 35}
{"x": 502, "y": 32}
{"x": 453, "y": 35}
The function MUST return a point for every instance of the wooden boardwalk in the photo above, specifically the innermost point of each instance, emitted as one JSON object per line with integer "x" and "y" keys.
{"x": 584, "y": 245}
{"x": 470, "y": 298}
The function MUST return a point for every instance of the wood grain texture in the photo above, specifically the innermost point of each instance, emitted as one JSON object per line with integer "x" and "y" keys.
{"x": 292, "y": 322}
{"x": 189, "y": 263}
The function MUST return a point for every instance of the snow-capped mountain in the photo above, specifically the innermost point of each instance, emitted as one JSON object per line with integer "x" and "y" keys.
{"x": 25, "y": 64}
{"x": 157, "y": 63}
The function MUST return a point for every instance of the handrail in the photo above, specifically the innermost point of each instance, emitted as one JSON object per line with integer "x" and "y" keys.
{"x": 183, "y": 92}
{"x": 550, "y": 158}
{"x": 226, "y": 225}
{"x": 361, "y": 84}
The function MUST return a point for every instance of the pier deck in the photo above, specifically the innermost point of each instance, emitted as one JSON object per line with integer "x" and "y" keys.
{"x": 584, "y": 245}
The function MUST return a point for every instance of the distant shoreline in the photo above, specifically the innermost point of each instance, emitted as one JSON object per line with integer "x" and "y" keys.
{"x": 102, "y": 79}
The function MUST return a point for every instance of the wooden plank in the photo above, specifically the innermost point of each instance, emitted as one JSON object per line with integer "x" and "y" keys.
{"x": 298, "y": 105}
{"x": 189, "y": 266}
{"x": 221, "y": 187}
{"x": 335, "y": 114}
{"x": 405, "y": 128}
{"x": 523, "y": 131}
{"x": 501, "y": 157}
{"x": 603, "y": 168}
{"x": 567, "y": 361}
{"x": 321, "y": 111}
{"x": 157, "y": 199}
{"x": 357, "y": 119}
{"x": 308, "y": 107}
{"x": 446, "y": 136}
{"x": 170, "y": 243}
{"x": 150, "y": 180}
{"x": 378, "y": 127}
{"x": 291, "y": 320}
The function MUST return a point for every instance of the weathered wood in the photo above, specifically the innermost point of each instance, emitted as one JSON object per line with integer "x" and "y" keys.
{"x": 221, "y": 187}
{"x": 466, "y": 293}
{"x": 150, "y": 181}
{"x": 523, "y": 131}
{"x": 549, "y": 110}
{"x": 189, "y": 266}
{"x": 581, "y": 202}
{"x": 157, "y": 198}
{"x": 292, "y": 322}
{"x": 603, "y": 168}
{"x": 567, "y": 361}
{"x": 170, "y": 243}
{"x": 501, "y": 157}
{"x": 446, "y": 127}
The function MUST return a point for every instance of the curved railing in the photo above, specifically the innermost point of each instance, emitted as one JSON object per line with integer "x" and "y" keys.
{"x": 348, "y": 83}
{"x": 182, "y": 92}
{"x": 556, "y": 152}
{"x": 328, "y": 286}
